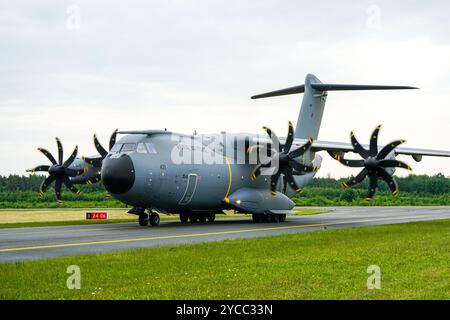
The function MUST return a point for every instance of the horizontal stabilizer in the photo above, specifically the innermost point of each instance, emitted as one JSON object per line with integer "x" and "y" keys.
{"x": 328, "y": 87}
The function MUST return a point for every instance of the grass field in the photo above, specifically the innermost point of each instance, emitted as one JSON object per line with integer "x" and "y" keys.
{"x": 16, "y": 218}
{"x": 332, "y": 264}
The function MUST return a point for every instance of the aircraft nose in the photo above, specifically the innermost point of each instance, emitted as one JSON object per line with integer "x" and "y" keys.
{"x": 118, "y": 174}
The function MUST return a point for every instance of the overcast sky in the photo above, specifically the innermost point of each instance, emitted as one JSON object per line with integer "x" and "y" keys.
{"x": 72, "y": 68}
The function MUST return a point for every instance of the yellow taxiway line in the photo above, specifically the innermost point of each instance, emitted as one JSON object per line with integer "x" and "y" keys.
{"x": 66, "y": 245}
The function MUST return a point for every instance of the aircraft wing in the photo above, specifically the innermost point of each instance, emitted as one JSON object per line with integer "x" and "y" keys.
{"x": 343, "y": 147}
{"x": 347, "y": 147}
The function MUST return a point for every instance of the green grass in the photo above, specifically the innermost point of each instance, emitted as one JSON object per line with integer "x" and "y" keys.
{"x": 414, "y": 261}
{"x": 307, "y": 212}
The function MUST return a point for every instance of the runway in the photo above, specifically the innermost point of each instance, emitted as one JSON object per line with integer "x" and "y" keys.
{"x": 21, "y": 244}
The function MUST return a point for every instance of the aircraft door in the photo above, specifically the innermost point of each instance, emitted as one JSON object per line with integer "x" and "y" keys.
{"x": 190, "y": 189}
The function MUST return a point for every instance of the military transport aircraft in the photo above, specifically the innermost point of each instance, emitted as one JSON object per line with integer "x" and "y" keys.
{"x": 197, "y": 176}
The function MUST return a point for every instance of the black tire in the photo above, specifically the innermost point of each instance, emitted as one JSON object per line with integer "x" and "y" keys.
{"x": 211, "y": 217}
{"x": 282, "y": 217}
{"x": 256, "y": 218}
{"x": 184, "y": 217}
{"x": 143, "y": 220}
{"x": 202, "y": 218}
{"x": 154, "y": 219}
{"x": 275, "y": 218}
{"x": 193, "y": 217}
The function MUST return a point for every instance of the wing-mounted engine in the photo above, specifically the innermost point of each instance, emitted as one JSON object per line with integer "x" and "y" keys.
{"x": 260, "y": 201}
{"x": 61, "y": 172}
{"x": 283, "y": 163}
{"x": 376, "y": 164}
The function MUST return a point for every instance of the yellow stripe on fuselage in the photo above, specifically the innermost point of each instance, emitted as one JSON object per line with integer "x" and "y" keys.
{"x": 230, "y": 177}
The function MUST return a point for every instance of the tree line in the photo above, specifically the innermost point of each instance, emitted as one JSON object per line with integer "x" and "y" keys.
{"x": 22, "y": 192}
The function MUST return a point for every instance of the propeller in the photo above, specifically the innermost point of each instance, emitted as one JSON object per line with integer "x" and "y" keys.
{"x": 59, "y": 171}
{"x": 97, "y": 161}
{"x": 374, "y": 164}
{"x": 284, "y": 161}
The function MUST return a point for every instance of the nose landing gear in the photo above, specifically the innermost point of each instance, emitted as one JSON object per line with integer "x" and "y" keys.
{"x": 154, "y": 219}
{"x": 146, "y": 218}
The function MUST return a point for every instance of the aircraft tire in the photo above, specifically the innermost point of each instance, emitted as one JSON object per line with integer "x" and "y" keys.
{"x": 256, "y": 218}
{"x": 143, "y": 220}
{"x": 184, "y": 217}
{"x": 275, "y": 218}
{"x": 202, "y": 218}
{"x": 282, "y": 217}
{"x": 193, "y": 217}
{"x": 154, "y": 219}
{"x": 211, "y": 217}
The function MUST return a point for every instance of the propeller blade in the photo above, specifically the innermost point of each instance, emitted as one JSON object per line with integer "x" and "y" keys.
{"x": 256, "y": 172}
{"x": 352, "y": 163}
{"x": 358, "y": 147}
{"x": 39, "y": 168}
{"x": 388, "y": 148}
{"x": 290, "y": 138}
{"x": 373, "y": 184}
{"x": 388, "y": 163}
{"x": 393, "y": 186}
{"x": 290, "y": 179}
{"x": 60, "y": 151}
{"x": 99, "y": 147}
{"x": 274, "y": 138}
{"x": 374, "y": 141}
{"x": 46, "y": 183}
{"x": 72, "y": 157}
{"x": 97, "y": 178}
{"x": 112, "y": 140}
{"x": 301, "y": 167}
{"x": 58, "y": 183}
{"x": 301, "y": 150}
{"x": 355, "y": 180}
{"x": 95, "y": 162}
{"x": 273, "y": 182}
{"x": 71, "y": 187}
{"x": 285, "y": 182}
{"x": 48, "y": 155}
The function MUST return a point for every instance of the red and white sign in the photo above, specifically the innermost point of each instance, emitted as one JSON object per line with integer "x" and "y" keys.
{"x": 97, "y": 215}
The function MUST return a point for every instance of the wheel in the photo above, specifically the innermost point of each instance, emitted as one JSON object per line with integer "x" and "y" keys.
{"x": 265, "y": 218}
{"x": 282, "y": 217}
{"x": 193, "y": 217}
{"x": 143, "y": 219}
{"x": 154, "y": 219}
{"x": 274, "y": 218}
{"x": 202, "y": 217}
{"x": 184, "y": 217}
{"x": 256, "y": 218}
{"x": 211, "y": 217}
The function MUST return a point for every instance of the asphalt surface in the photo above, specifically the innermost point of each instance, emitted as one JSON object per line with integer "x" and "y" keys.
{"x": 20, "y": 244}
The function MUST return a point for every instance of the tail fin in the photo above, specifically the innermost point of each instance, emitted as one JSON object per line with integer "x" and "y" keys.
{"x": 313, "y": 103}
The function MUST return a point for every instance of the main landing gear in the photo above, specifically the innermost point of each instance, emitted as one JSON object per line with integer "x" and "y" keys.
{"x": 152, "y": 218}
{"x": 274, "y": 218}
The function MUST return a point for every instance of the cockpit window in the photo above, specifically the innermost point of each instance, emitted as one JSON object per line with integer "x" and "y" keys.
{"x": 116, "y": 148}
{"x": 151, "y": 148}
{"x": 141, "y": 148}
{"x": 128, "y": 147}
